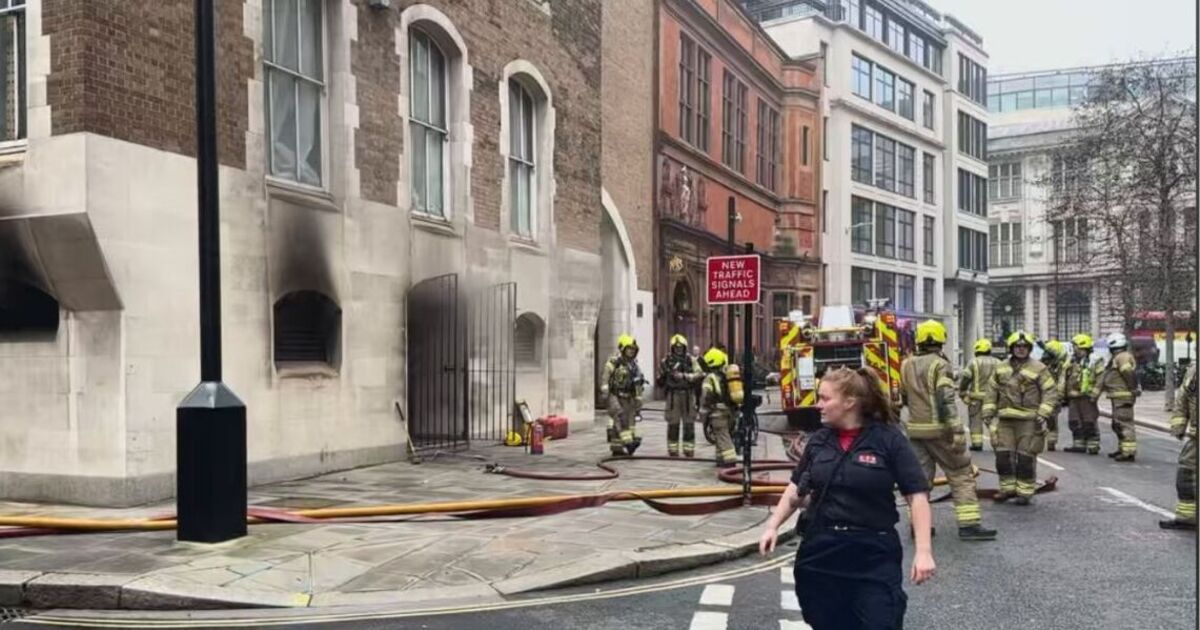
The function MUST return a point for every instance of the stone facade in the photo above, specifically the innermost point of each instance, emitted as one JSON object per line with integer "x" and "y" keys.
{"x": 98, "y": 213}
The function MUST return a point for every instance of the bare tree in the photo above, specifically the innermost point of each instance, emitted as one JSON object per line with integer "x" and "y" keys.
{"x": 1123, "y": 190}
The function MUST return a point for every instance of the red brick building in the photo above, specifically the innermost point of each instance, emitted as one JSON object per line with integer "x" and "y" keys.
{"x": 736, "y": 119}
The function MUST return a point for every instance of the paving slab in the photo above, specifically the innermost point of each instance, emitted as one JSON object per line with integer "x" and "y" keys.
{"x": 422, "y": 558}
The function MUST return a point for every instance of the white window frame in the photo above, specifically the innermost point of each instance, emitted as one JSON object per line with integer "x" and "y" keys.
{"x": 541, "y": 195}
{"x": 20, "y": 115}
{"x": 444, "y": 132}
{"x": 323, "y": 100}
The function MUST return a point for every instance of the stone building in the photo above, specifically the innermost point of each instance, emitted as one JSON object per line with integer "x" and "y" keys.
{"x": 412, "y": 212}
{"x": 736, "y": 119}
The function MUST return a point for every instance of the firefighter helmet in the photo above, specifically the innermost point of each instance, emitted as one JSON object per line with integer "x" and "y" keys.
{"x": 1020, "y": 338}
{"x": 1116, "y": 340}
{"x": 983, "y": 346}
{"x": 1055, "y": 349}
{"x": 931, "y": 332}
{"x": 678, "y": 340}
{"x": 626, "y": 341}
{"x": 1082, "y": 341}
{"x": 714, "y": 358}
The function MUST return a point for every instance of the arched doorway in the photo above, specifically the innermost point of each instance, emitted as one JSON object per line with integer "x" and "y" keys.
{"x": 683, "y": 311}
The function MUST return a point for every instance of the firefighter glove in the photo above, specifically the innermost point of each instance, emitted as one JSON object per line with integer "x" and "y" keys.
{"x": 1041, "y": 425}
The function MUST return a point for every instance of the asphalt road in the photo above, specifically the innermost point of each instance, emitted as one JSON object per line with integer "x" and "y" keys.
{"x": 1089, "y": 555}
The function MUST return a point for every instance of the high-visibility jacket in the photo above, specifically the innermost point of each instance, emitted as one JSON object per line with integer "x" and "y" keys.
{"x": 1058, "y": 370}
{"x": 927, "y": 390}
{"x": 975, "y": 377}
{"x": 712, "y": 396}
{"x": 1081, "y": 377}
{"x": 1020, "y": 390}
{"x": 1118, "y": 379}
{"x": 1184, "y": 411}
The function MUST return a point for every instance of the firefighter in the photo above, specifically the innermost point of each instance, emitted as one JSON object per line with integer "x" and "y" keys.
{"x": 1120, "y": 383}
{"x": 1055, "y": 354}
{"x": 971, "y": 384}
{"x": 938, "y": 437}
{"x": 622, "y": 385}
{"x": 678, "y": 374}
{"x": 716, "y": 406}
{"x": 1183, "y": 427}
{"x": 1082, "y": 412}
{"x": 1018, "y": 400}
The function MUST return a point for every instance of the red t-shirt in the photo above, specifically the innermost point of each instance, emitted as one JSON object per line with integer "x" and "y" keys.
{"x": 846, "y": 437}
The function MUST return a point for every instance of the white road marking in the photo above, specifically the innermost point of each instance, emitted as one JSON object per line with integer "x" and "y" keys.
{"x": 787, "y": 599}
{"x": 717, "y": 595}
{"x": 1132, "y": 500}
{"x": 703, "y": 620}
{"x": 1050, "y": 464}
{"x": 784, "y": 624}
{"x": 787, "y": 576}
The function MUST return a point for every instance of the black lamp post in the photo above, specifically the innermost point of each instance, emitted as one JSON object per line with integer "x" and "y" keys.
{"x": 210, "y": 423}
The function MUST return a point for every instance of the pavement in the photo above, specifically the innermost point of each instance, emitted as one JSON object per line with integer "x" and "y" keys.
{"x": 1089, "y": 555}
{"x": 432, "y": 558}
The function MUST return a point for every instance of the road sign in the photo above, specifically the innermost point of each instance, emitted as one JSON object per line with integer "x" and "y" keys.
{"x": 734, "y": 279}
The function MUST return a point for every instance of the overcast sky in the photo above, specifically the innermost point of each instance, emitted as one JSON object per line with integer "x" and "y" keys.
{"x": 1023, "y": 35}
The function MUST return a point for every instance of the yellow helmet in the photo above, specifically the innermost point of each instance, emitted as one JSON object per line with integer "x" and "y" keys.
{"x": 931, "y": 331}
{"x": 983, "y": 346}
{"x": 1082, "y": 341}
{"x": 1056, "y": 348}
{"x": 1020, "y": 338}
{"x": 679, "y": 340}
{"x": 626, "y": 341}
{"x": 714, "y": 358}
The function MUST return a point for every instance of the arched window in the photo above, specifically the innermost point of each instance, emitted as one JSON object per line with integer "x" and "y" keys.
{"x": 307, "y": 328}
{"x": 428, "y": 129}
{"x": 528, "y": 339}
{"x": 26, "y": 309}
{"x": 682, "y": 300}
{"x": 1073, "y": 313}
{"x": 522, "y": 156}
{"x": 527, "y": 146}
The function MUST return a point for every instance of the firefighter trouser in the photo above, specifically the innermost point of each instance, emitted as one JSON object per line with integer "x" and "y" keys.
{"x": 622, "y": 422}
{"x": 1017, "y": 446}
{"x": 1185, "y": 482}
{"x": 1122, "y": 425}
{"x": 722, "y": 422}
{"x": 956, "y": 463}
{"x": 1052, "y": 428}
{"x": 1082, "y": 415}
{"x": 974, "y": 413}
{"x": 681, "y": 409}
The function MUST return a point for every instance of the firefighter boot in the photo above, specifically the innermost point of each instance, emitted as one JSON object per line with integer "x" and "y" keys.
{"x": 976, "y": 532}
{"x": 1022, "y": 500}
{"x": 1175, "y": 523}
{"x": 1003, "y": 495}
{"x": 1123, "y": 457}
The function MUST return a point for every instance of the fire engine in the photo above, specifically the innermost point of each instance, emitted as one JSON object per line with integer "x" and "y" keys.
{"x": 842, "y": 338}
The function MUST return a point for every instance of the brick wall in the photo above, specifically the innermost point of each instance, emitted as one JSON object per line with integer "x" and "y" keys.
{"x": 564, "y": 46}
{"x": 125, "y": 70}
{"x": 379, "y": 140}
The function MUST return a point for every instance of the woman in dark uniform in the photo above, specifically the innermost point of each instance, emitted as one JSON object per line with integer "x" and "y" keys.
{"x": 848, "y": 569}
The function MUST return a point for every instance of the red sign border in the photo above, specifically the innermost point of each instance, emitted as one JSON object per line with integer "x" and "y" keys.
{"x": 758, "y": 284}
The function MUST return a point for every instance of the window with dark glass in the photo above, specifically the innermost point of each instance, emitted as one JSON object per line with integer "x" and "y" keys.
{"x": 927, "y": 109}
{"x": 972, "y": 193}
{"x": 972, "y": 80}
{"x": 13, "y": 62}
{"x": 927, "y": 176}
{"x": 885, "y": 286}
{"x": 905, "y": 290}
{"x": 873, "y": 22}
{"x": 928, "y": 288}
{"x": 863, "y": 221}
{"x": 904, "y": 99}
{"x": 885, "y": 231}
{"x": 861, "y": 285}
{"x": 906, "y": 235}
{"x": 895, "y": 36}
{"x": 861, "y": 154}
{"x": 906, "y": 165}
{"x": 687, "y": 88}
{"x": 972, "y": 136}
{"x": 927, "y": 240}
{"x": 804, "y": 146}
{"x": 885, "y": 163}
{"x": 860, "y": 72}
{"x": 885, "y": 89}
{"x": 767, "y": 147}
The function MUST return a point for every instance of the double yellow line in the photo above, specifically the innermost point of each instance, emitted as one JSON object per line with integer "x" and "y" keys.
{"x": 263, "y": 621}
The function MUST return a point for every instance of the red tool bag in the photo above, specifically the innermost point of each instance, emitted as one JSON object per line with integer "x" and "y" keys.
{"x": 555, "y": 427}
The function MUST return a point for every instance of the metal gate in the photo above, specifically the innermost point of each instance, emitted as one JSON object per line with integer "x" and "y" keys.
{"x": 461, "y": 365}
{"x": 491, "y": 371}
{"x": 436, "y": 349}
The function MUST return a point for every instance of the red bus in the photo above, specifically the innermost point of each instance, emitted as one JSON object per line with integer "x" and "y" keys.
{"x": 1148, "y": 338}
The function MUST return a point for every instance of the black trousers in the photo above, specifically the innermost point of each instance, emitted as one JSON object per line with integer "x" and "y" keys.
{"x": 851, "y": 580}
